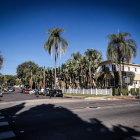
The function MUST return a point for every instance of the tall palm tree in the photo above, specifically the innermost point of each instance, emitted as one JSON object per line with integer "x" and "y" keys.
{"x": 1, "y": 60}
{"x": 55, "y": 39}
{"x": 120, "y": 50}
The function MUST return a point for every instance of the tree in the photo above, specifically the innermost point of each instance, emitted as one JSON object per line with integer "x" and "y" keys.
{"x": 106, "y": 75}
{"x": 11, "y": 80}
{"x": 1, "y": 60}
{"x": 94, "y": 58}
{"x": 121, "y": 50}
{"x": 24, "y": 72}
{"x": 55, "y": 39}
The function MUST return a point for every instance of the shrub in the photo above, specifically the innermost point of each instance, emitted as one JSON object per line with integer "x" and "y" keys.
{"x": 133, "y": 91}
{"x": 116, "y": 91}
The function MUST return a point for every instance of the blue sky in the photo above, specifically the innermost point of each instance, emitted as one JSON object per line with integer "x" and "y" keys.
{"x": 23, "y": 26}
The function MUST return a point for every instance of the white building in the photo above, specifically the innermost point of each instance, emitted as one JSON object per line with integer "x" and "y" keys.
{"x": 124, "y": 67}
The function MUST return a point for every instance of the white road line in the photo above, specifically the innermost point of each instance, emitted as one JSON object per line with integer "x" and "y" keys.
{"x": 4, "y": 123}
{"x": 7, "y": 134}
{"x": 2, "y": 117}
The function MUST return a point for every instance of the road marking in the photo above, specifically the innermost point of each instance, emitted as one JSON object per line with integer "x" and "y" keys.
{"x": 4, "y": 123}
{"x": 2, "y": 117}
{"x": 7, "y": 134}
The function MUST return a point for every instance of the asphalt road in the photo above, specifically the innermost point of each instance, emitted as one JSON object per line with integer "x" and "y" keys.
{"x": 17, "y": 96}
{"x": 66, "y": 119}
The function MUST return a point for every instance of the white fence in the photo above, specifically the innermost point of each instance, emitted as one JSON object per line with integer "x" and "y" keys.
{"x": 89, "y": 91}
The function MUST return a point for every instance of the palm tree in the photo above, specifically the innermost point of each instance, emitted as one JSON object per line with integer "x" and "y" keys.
{"x": 55, "y": 39}
{"x": 121, "y": 50}
{"x": 94, "y": 58}
{"x": 1, "y": 60}
{"x": 107, "y": 75}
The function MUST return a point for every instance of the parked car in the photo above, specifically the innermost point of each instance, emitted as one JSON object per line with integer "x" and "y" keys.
{"x": 22, "y": 90}
{"x": 27, "y": 91}
{"x": 46, "y": 92}
{"x": 41, "y": 91}
{"x": 32, "y": 91}
{"x": 11, "y": 89}
{"x": 37, "y": 91}
{"x": 55, "y": 93}
{"x": 1, "y": 93}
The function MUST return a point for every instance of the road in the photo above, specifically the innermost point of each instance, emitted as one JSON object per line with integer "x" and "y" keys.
{"x": 72, "y": 119}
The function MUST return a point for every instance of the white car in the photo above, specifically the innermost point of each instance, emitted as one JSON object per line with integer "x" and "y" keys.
{"x": 32, "y": 92}
{"x": 1, "y": 94}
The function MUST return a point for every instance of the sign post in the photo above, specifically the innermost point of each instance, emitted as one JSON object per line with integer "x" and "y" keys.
{"x": 127, "y": 81}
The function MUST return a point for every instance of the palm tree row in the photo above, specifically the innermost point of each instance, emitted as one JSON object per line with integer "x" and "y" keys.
{"x": 79, "y": 70}
{"x": 75, "y": 73}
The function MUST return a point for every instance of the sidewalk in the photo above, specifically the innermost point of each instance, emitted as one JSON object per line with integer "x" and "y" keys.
{"x": 101, "y": 98}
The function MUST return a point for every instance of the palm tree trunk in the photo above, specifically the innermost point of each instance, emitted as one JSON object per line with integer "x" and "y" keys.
{"x": 90, "y": 77}
{"x": 55, "y": 72}
{"x": 120, "y": 77}
{"x": 31, "y": 82}
{"x": 44, "y": 78}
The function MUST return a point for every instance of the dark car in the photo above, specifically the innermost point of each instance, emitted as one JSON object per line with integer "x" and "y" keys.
{"x": 46, "y": 92}
{"x": 55, "y": 93}
{"x": 22, "y": 90}
{"x": 1, "y": 92}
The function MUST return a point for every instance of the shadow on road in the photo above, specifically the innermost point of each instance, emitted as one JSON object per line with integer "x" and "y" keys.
{"x": 48, "y": 122}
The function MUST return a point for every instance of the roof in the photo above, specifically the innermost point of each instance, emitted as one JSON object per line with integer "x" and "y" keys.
{"x": 110, "y": 62}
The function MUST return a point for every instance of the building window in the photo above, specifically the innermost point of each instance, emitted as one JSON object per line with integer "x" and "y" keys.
{"x": 135, "y": 69}
{"x": 128, "y": 68}
{"x": 103, "y": 67}
{"x": 122, "y": 68}
{"x": 113, "y": 68}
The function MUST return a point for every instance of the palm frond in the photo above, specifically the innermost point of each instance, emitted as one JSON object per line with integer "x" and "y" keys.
{"x": 64, "y": 45}
{"x": 49, "y": 31}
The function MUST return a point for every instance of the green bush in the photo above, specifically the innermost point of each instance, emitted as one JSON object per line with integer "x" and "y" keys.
{"x": 125, "y": 91}
{"x": 133, "y": 91}
{"x": 116, "y": 91}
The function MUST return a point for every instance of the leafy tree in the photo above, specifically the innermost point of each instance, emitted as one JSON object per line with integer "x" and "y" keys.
{"x": 121, "y": 50}
{"x": 8, "y": 80}
{"x": 18, "y": 82}
{"x": 24, "y": 71}
{"x": 55, "y": 39}
{"x": 1, "y": 79}
{"x": 11, "y": 80}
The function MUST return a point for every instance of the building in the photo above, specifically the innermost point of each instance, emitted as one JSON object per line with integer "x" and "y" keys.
{"x": 125, "y": 68}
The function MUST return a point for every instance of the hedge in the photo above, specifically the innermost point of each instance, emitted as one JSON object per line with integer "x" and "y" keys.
{"x": 133, "y": 91}
{"x": 116, "y": 91}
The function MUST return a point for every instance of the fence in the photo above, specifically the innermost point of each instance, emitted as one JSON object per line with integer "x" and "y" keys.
{"x": 89, "y": 91}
